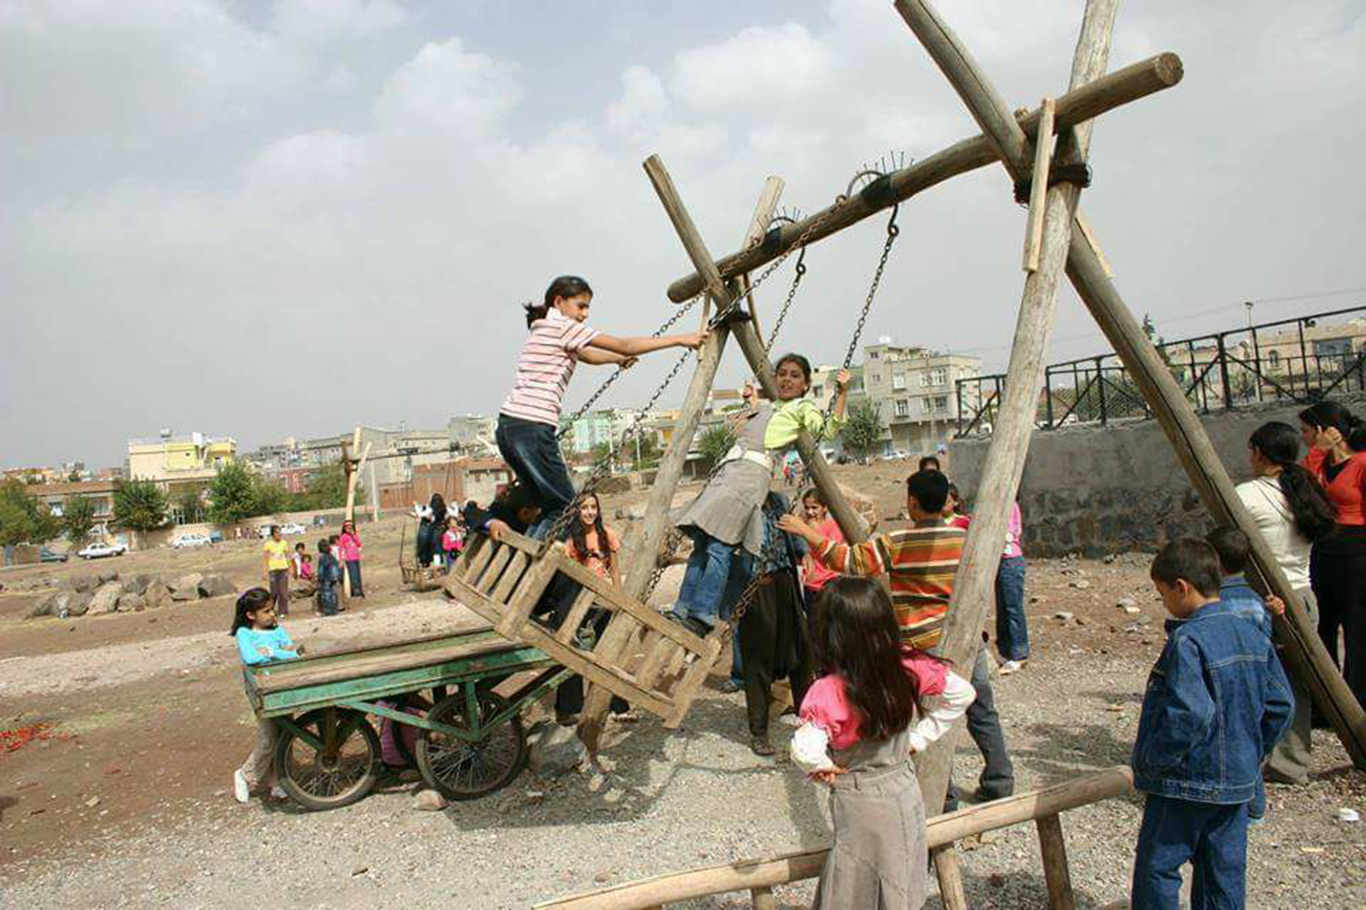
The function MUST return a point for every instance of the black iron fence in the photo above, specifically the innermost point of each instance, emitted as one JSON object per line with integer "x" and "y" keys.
{"x": 1300, "y": 360}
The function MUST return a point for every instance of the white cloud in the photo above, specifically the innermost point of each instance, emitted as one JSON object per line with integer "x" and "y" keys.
{"x": 759, "y": 66}
{"x": 449, "y": 89}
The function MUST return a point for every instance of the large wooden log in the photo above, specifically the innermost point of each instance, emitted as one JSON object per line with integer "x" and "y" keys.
{"x": 974, "y": 587}
{"x": 778, "y": 870}
{"x": 1302, "y": 649}
{"x": 1107, "y": 93}
{"x": 670, "y": 471}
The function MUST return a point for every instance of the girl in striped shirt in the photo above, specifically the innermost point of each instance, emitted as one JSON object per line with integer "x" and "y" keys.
{"x": 530, "y": 415}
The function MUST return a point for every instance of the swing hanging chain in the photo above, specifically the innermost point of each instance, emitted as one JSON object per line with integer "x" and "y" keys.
{"x": 800, "y": 273}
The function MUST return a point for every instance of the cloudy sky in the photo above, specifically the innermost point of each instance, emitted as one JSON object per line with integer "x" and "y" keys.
{"x": 268, "y": 219}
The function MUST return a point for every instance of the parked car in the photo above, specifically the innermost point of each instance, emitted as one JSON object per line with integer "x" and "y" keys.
{"x": 292, "y": 529}
{"x": 47, "y": 555}
{"x": 215, "y": 537}
{"x": 192, "y": 539}
{"x": 101, "y": 550}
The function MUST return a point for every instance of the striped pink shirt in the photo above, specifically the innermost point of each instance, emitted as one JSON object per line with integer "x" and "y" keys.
{"x": 543, "y": 371}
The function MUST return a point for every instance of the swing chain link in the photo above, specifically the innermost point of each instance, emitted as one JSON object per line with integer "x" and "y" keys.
{"x": 799, "y": 274}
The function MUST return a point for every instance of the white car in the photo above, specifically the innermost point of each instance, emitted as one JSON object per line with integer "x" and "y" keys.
{"x": 292, "y": 529}
{"x": 101, "y": 550}
{"x": 191, "y": 540}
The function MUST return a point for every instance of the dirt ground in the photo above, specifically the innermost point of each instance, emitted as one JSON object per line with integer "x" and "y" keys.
{"x": 127, "y": 802}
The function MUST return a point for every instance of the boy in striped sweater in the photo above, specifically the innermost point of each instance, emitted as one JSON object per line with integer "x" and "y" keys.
{"x": 920, "y": 563}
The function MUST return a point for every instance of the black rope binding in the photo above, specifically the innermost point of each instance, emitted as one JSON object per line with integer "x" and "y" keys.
{"x": 1079, "y": 174}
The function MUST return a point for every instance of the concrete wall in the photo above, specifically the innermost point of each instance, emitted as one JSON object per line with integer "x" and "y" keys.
{"x": 1099, "y": 490}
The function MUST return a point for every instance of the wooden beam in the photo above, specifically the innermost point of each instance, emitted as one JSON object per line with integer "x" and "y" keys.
{"x": 949, "y": 872}
{"x": 1057, "y": 875}
{"x": 1105, "y": 94}
{"x": 1302, "y": 649}
{"x": 791, "y": 867}
{"x": 974, "y": 586}
{"x": 1038, "y": 190}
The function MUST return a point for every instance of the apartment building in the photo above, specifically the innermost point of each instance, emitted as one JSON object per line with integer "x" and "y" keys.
{"x": 170, "y": 460}
{"x": 913, "y": 390}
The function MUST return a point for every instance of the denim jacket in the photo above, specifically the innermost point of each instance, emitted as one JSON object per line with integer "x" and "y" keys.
{"x": 1245, "y": 602}
{"x": 1217, "y": 701}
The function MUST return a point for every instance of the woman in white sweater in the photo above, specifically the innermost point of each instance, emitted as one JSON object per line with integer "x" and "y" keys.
{"x": 1291, "y": 512}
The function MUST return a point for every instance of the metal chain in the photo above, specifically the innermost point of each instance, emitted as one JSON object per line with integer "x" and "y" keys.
{"x": 800, "y": 273}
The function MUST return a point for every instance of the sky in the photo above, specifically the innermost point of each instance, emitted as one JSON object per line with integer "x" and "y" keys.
{"x": 263, "y": 220}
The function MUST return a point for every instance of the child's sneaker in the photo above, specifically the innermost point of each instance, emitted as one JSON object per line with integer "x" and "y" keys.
{"x": 240, "y": 789}
{"x": 278, "y": 792}
{"x": 1011, "y": 666}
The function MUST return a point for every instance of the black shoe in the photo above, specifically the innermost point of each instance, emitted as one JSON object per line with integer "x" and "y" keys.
{"x": 981, "y": 795}
{"x": 729, "y": 686}
{"x": 760, "y": 746}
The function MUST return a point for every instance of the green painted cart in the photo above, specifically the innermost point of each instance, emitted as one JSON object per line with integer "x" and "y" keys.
{"x": 470, "y": 742}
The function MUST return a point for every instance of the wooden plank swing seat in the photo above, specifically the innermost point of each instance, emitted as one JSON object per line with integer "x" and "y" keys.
{"x": 640, "y": 655}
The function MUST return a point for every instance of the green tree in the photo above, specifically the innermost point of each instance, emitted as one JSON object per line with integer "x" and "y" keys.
{"x": 140, "y": 505}
{"x": 601, "y": 454}
{"x": 326, "y": 490}
{"x": 716, "y": 442}
{"x": 190, "y": 506}
{"x": 237, "y": 493}
{"x": 74, "y": 477}
{"x": 650, "y": 452}
{"x": 24, "y": 519}
{"x": 862, "y": 427}
{"x": 78, "y": 517}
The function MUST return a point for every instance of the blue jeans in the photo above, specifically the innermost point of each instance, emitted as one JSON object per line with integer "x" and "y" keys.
{"x": 704, "y": 581}
{"x": 1212, "y": 837}
{"x": 997, "y": 780}
{"x": 1012, "y": 631}
{"x": 741, "y": 568}
{"x": 531, "y": 451}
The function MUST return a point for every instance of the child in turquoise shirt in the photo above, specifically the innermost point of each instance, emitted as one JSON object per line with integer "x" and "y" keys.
{"x": 260, "y": 639}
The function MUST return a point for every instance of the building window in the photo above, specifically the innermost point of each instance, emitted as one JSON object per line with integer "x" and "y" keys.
{"x": 818, "y": 391}
{"x": 941, "y": 403}
{"x": 872, "y": 355}
{"x": 934, "y": 377}
{"x": 903, "y": 408}
{"x": 1273, "y": 358}
{"x": 898, "y": 382}
{"x": 927, "y": 405}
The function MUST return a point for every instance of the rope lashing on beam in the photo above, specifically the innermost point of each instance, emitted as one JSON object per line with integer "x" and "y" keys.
{"x": 1079, "y": 174}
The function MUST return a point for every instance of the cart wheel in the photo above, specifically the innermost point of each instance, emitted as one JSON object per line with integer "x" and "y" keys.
{"x": 339, "y": 773}
{"x": 466, "y": 770}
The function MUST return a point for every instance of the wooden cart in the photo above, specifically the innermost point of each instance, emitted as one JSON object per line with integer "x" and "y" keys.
{"x": 471, "y": 739}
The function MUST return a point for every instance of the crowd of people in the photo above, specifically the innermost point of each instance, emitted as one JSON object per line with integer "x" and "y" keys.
{"x": 1219, "y": 717}
{"x": 292, "y": 573}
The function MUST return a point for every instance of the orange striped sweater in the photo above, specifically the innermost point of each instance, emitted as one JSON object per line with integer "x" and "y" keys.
{"x": 920, "y": 564}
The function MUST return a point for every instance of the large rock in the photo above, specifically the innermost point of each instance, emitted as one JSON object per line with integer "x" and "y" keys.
{"x": 108, "y": 575}
{"x": 106, "y": 599}
{"x": 85, "y": 583}
{"x": 157, "y": 594}
{"x": 132, "y": 603}
{"x": 78, "y": 605}
{"x": 186, "y": 587}
{"x": 554, "y": 750}
{"x": 137, "y": 584}
{"x": 216, "y": 585}
{"x": 43, "y": 606}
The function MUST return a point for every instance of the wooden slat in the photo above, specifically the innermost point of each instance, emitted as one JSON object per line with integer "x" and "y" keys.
{"x": 481, "y": 558}
{"x": 494, "y": 571}
{"x": 658, "y": 652}
{"x": 523, "y": 600}
{"x": 644, "y": 614}
{"x": 375, "y": 662}
{"x": 609, "y": 678}
{"x": 511, "y": 575}
{"x": 572, "y": 620}
{"x": 1055, "y": 871}
{"x": 691, "y": 682}
{"x": 1043, "y": 158}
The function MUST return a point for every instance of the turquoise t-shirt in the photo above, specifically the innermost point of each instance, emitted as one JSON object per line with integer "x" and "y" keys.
{"x": 258, "y": 647}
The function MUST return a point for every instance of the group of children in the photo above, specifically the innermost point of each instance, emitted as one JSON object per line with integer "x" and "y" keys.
{"x": 337, "y": 553}
{"x": 1216, "y": 702}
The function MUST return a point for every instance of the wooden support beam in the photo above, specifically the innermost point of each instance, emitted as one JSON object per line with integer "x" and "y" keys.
{"x": 762, "y": 898}
{"x": 791, "y": 867}
{"x": 1107, "y": 93}
{"x": 1043, "y": 156}
{"x": 1056, "y": 873}
{"x": 974, "y": 586}
{"x": 949, "y": 872}
{"x": 1302, "y": 649}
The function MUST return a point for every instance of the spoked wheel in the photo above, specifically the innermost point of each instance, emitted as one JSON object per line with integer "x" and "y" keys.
{"x": 461, "y": 769}
{"x": 337, "y": 768}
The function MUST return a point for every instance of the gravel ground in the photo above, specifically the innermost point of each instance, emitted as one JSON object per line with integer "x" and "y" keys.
{"x": 674, "y": 800}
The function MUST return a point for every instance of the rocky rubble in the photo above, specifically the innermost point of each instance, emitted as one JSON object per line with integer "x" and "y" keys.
{"x": 106, "y": 592}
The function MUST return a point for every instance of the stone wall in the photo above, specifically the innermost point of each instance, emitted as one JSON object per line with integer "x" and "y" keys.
{"x": 1100, "y": 490}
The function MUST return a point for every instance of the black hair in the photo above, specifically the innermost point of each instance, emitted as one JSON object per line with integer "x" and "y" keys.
{"x": 1279, "y": 443}
{"x": 814, "y": 493}
{"x": 930, "y": 489}
{"x": 1325, "y": 414}
{"x": 930, "y": 462}
{"x": 957, "y": 498}
{"x": 1232, "y": 547}
{"x": 324, "y": 546}
{"x": 802, "y": 364}
{"x": 1189, "y": 558}
{"x": 579, "y": 535}
{"x": 273, "y": 529}
{"x": 857, "y": 637}
{"x": 563, "y": 286}
{"x": 300, "y": 546}
{"x": 438, "y": 506}
{"x": 251, "y": 600}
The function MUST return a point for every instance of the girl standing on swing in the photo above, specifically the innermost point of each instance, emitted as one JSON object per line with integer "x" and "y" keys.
{"x": 729, "y": 510}
{"x": 530, "y": 416}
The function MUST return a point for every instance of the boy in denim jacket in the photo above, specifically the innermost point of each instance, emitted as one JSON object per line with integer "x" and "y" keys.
{"x": 1217, "y": 701}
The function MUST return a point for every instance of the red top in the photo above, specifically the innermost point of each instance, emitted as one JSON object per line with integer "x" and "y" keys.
{"x": 827, "y": 706}
{"x": 817, "y": 575}
{"x": 1346, "y": 490}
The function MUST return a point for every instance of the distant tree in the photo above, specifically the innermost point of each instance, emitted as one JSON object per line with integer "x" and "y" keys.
{"x": 78, "y": 518}
{"x": 862, "y": 427}
{"x": 326, "y": 490}
{"x": 649, "y": 450}
{"x": 190, "y": 506}
{"x": 73, "y": 477}
{"x": 140, "y": 505}
{"x": 24, "y": 519}
{"x": 231, "y": 495}
{"x": 716, "y": 442}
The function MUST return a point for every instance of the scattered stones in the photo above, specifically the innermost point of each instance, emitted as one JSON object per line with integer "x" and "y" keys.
{"x": 554, "y": 750}
{"x": 1037, "y": 599}
{"x": 429, "y": 801}
{"x": 137, "y": 584}
{"x": 1080, "y": 584}
{"x": 92, "y": 802}
{"x": 157, "y": 595}
{"x": 1063, "y": 616}
{"x": 85, "y": 583}
{"x": 186, "y": 587}
{"x": 78, "y": 605}
{"x": 132, "y": 603}
{"x": 1348, "y": 815}
{"x": 107, "y": 576}
{"x": 106, "y": 599}
{"x": 43, "y": 606}
{"x": 216, "y": 585}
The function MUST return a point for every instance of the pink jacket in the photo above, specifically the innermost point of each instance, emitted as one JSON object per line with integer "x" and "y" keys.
{"x": 348, "y": 547}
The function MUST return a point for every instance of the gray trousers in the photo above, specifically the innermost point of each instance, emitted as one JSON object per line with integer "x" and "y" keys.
{"x": 259, "y": 768}
{"x": 1289, "y": 761}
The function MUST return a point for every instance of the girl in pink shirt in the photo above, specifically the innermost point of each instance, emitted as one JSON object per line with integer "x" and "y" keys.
{"x": 349, "y": 552}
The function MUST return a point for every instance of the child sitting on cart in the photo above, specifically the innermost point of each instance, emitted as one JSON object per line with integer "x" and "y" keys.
{"x": 260, "y": 639}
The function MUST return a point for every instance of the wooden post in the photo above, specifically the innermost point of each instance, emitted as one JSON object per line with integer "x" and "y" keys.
{"x": 1055, "y": 872}
{"x": 762, "y": 898}
{"x": 1043, "y": 156}
{"x": 949, "y": 872}
{"x": 352, "y": 475}
{"x": 642, "y": 564}
{"x": 1105, "y": 94}
{"x": 1302, "y": 648}
{"x": 975, "y": 582}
